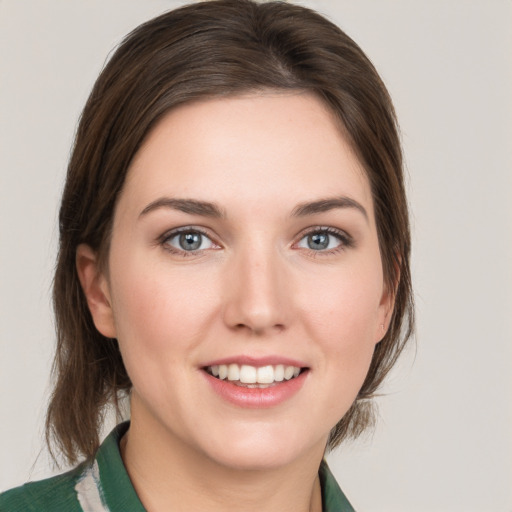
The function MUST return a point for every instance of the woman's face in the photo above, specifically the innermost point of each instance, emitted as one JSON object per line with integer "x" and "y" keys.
{"x": 244, "y": 243}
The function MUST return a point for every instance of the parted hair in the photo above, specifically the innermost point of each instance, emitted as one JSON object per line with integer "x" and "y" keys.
{"x": 206, "y": 50}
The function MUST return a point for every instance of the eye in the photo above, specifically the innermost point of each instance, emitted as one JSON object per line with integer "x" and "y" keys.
{"x": 188, "y": 240}
{"x": 324, "y": 239}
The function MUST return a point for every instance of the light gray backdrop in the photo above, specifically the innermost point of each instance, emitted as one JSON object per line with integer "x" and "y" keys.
{"x": 444, "y": 438}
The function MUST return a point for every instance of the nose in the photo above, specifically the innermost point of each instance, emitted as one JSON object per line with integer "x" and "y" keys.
{"x": 257, "y": 297}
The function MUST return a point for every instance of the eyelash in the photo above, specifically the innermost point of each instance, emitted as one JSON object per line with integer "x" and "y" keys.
{"x": 346, "y": 241}
{"x": 169, "y": 235}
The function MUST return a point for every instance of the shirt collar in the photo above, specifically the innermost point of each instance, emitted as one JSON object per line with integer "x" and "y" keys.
{"x": 118, "y": 493}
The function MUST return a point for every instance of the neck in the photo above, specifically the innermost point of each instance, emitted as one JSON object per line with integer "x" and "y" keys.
{"x": 168, "y": 475}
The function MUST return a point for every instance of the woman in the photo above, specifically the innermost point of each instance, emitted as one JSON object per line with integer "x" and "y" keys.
{"x": 234, "y": 256}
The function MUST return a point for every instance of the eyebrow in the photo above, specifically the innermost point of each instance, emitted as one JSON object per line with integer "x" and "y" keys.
{"x": 207, "y": 209}
{"x": 191, "y": 206}
{"x": 324, "y": 205}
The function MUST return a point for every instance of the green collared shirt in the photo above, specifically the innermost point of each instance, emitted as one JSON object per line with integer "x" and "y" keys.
{"x": 103, "y": 485}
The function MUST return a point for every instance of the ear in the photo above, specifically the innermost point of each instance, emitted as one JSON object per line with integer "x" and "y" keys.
{"x": 385, "y": 313}
{"x": 96, "y": 290}
{"x": 387, "y": 305}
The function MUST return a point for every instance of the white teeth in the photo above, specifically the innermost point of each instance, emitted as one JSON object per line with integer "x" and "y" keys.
{"x": 247, "y": 374}
{"x": 233, "y": 372}
{"x": 265, "y": 375}
{"x": 288, "y": 372}
{"x": 223, "y": 371}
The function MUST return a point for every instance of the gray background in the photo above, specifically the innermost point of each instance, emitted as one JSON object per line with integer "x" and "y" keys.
{"x": 444, "y": 438}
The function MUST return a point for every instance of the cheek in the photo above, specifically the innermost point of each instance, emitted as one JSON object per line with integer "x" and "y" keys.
{"x": 156, "y": 308}
{"x": 342, "y": 313}
{"x": 348, "y": 303}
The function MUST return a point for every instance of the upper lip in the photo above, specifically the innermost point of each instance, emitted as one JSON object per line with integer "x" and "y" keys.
{"x": 272, "y": 360}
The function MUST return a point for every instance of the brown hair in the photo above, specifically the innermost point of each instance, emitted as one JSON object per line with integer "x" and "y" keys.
{"x": 209, "y": 49}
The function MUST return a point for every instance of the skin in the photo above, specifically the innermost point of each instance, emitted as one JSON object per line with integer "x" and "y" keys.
{"x": 254, "y": 288}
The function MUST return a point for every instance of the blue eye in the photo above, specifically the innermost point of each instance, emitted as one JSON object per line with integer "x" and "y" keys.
{"x": 189, "y": 241}
{"x": 323, "y": 240}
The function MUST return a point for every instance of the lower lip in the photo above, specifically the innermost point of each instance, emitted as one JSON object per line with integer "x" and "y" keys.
{"x": 256, "y": 398}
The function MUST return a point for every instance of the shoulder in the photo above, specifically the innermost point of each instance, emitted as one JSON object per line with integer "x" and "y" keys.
{"x": 100, "y": 485}
{"x": 52, "y": 494}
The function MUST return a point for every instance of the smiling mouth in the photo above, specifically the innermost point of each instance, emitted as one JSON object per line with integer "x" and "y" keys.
{"x": 254, "y": 376}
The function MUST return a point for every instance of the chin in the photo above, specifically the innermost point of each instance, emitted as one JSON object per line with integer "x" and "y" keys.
{"x": 263, "y": 449}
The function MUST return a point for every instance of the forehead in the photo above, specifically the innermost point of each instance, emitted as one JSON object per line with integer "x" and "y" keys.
{"x": 250, "y": 148}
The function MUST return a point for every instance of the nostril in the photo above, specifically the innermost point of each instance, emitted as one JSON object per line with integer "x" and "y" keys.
{"x": 259, "y": 330}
